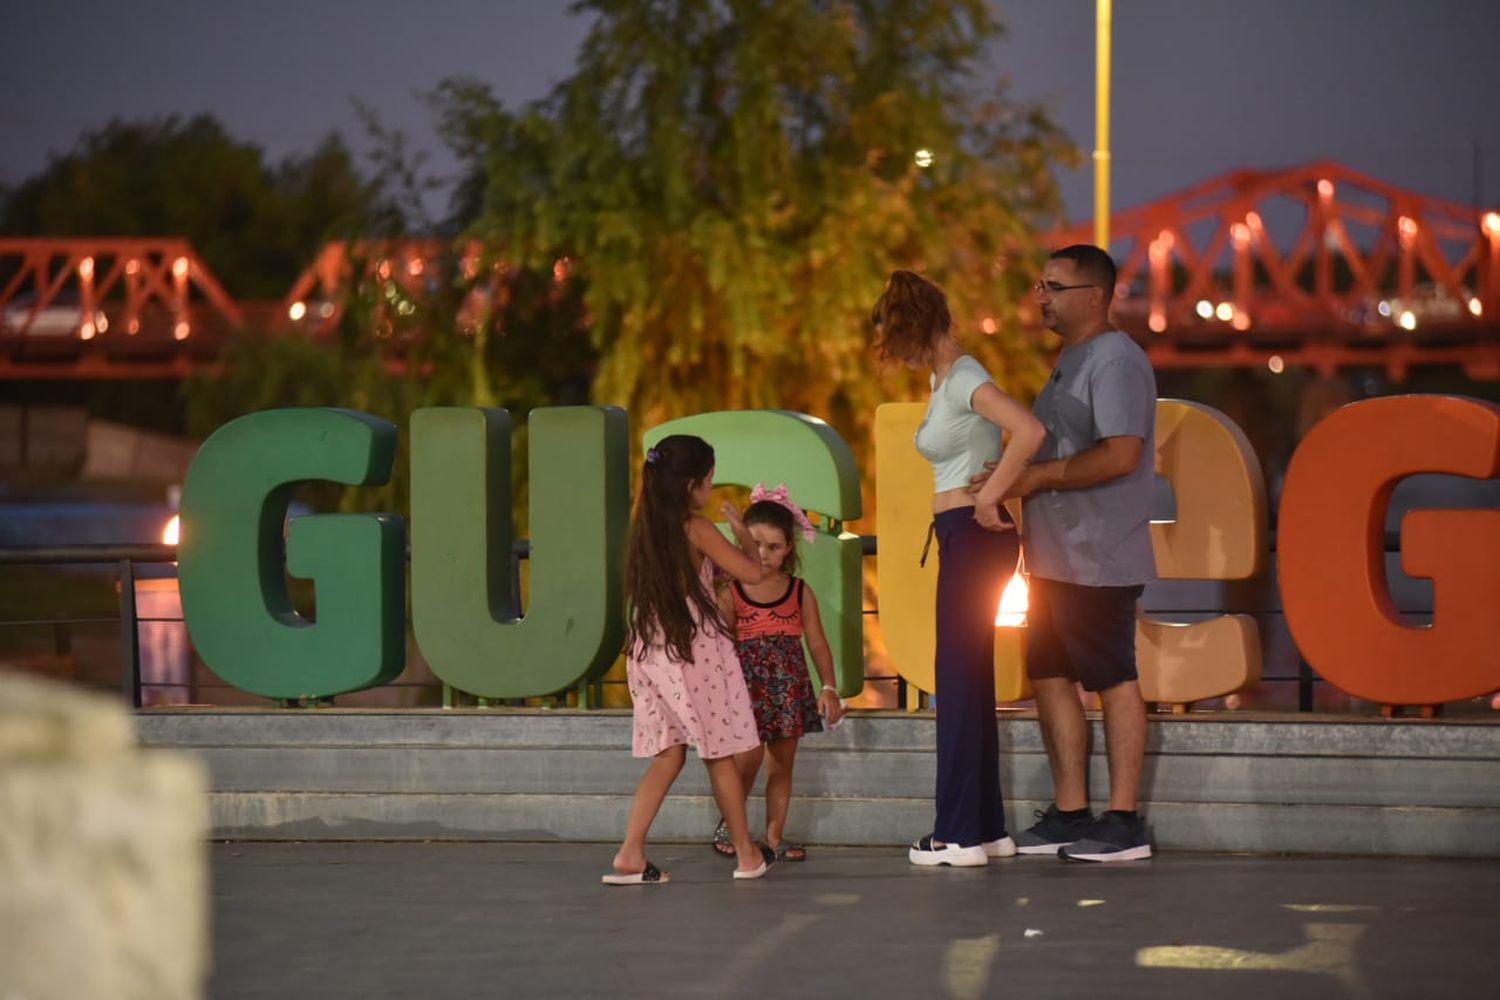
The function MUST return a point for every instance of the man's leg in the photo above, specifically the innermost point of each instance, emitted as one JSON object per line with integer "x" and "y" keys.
{"x": 1125, "y": 737}
{"x": 1065, "y": 733}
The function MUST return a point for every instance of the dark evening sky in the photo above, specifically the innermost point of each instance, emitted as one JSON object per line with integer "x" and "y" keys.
{"x": 1399, "y": 89}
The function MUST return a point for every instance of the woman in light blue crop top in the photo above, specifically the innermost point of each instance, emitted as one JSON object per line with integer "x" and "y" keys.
{"x": 977, "y": 551}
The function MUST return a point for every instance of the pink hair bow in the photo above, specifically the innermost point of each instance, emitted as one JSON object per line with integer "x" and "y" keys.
{"x": 778, "y": 495}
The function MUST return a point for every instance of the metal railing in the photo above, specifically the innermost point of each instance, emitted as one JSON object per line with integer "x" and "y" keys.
{"x": 126, "y": 558}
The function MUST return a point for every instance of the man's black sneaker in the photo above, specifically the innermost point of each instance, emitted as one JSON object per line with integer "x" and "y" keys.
{"x": 1114, "y": 836}
{"x": 1051, "y": 832}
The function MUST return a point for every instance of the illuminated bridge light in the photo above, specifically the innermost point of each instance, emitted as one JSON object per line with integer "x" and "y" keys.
{"x": 180, "y": 268}
{"x": 1276, "y": 364}
{"x": 181, "y": 331}
{"x": 1224, "y": 311}
{"x": 1490, "y": 223}
{"x": 1205, "y": 309}
{"x": 1325, "y": 189}
{"x": 1407, "y": 320}
{"x": 86, "y": 269}
{"x": 1476, "y": 307}
{"x": 297, "y": 311}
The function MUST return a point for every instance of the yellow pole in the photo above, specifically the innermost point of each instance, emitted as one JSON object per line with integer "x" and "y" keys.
{"x": 1102, "y": 20}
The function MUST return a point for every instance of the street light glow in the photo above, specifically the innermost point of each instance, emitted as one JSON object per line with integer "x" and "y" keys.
{"x": 923, "y": 158}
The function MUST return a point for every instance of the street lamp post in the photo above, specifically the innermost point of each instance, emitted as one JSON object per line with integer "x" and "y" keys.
{"x": 1102, "y": 20}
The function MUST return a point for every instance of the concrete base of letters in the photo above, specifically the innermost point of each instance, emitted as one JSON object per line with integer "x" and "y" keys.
{"x": 1212, "y": 782}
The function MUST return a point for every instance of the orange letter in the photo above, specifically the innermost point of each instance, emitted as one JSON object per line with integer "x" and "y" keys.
{"x": 1332, "y": 551}
{"x": 1219, "y": 534}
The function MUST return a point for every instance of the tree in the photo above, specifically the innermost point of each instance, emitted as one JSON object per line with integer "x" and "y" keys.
{"x": 733, "y": 180}
{"x": 255, "y": 225}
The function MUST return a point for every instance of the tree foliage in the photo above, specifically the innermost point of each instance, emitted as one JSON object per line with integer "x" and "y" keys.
{"x": 734, "y": 179}
{"x": 255, "y": 224}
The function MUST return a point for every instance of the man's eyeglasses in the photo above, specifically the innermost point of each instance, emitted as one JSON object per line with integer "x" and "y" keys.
{"x": 1053, "y": 287}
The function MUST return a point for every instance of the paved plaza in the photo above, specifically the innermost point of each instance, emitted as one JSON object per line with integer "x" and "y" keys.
{"x": 441, "y": 920}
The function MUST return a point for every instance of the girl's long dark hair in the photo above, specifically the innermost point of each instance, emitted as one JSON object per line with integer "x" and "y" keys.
{"x": 662, "y": 579}
{"x": 774, "y": 515}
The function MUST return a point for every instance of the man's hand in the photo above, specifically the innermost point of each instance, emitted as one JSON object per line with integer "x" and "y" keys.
{"x": 977, "y": 482}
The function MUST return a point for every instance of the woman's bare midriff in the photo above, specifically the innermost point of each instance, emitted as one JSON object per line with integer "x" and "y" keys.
{"x": 951, "y": 499}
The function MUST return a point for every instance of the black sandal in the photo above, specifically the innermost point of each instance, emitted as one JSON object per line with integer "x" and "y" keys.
{"x": 722, "y": 843}
{"x": 789, "y": 852}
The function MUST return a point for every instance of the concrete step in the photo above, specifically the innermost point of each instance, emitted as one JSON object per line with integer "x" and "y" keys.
{"x": 1211, "y": 782}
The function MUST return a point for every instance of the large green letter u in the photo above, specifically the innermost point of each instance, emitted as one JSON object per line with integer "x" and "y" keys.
{"x": 465, "y": 609}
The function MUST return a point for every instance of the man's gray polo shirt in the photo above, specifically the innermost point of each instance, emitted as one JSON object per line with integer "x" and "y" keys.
{"x": 1099, "y": 536}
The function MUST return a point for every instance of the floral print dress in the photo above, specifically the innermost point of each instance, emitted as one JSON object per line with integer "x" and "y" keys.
{"x": 768, "y": 638}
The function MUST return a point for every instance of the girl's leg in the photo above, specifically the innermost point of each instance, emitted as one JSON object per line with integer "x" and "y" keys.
{"x": 649, "y": 793}
{"x": 748, "y": 764}
{"x": 729, "y": 793}
{"x": 783, "y": 753}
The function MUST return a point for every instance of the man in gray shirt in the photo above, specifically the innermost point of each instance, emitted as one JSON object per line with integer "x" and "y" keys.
{"x": 1087, "y": 541}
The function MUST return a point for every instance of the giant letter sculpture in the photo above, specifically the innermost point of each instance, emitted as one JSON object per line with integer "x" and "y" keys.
{"x": 1332, "y": 551}
{"x": 776, "y": 446}
{"x": 230, "y": 561}
{"x": 464, "y": 606}
{"x": 1218, "y": 534}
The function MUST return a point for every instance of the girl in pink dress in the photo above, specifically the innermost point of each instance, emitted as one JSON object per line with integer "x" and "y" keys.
{"x": 685, "y": 680}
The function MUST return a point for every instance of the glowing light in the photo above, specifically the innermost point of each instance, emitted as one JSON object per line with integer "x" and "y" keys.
{"x": 133, "y": 327}
{"x": 170, "y": 533}
{"x": 561, "y": 268}
{"x": 1407, "y": 320}
{"x": 1157, "y": 322}
{"x": 1240, "y": 233}
{"x": 1490, "y": 223}
{"x": 384, "y": 270}
{"x": 1476, "y": 307}
{"x": 1205, "y": 309}
{"x": 297, "y": 311}
{"x": 1384, "y": 308}
{"x": 923, "y": 158}
{"x": 181, "y": 331}
{"x": 180, "y": 268}
{"x": 989, "y": 326}
{"x": 1225, "y": 311}
{"x": 415, "y": 267}
{"x": 1013, "y": 604}
{"x": 325, "y": 310}
{"x": 86, "y": 331}
{"x": 1276, "y": 364}
{"x": 132, "y": 267}
{"x": 1241, "y": 320}
{"x": 102, "y": 322}
{"x": 1090, "y": 902}
{"x": 86, "y": 269}
{"x": 1325, "y": 189}
{"x": 1252, "y": 219}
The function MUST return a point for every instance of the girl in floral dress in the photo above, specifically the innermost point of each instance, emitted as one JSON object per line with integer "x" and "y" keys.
{"x": 771, "y": 618}
{"x": 685, "y": 682}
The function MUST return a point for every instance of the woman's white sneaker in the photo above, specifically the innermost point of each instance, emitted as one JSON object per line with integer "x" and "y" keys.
{"x": 928, "y": 854}
{"x": 1002, "y": 848}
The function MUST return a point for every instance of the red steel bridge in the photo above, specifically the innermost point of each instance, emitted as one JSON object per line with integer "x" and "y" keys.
{"x": 1317, "y": 266}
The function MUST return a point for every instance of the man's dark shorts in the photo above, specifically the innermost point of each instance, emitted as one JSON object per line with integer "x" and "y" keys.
{"x": 1086, "y": 634}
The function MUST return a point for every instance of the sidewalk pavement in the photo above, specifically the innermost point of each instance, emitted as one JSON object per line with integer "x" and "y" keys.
{"x": 457, "y": 920}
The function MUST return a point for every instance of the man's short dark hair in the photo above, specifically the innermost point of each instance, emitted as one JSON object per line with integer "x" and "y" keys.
{"x": 1092, "y": 263}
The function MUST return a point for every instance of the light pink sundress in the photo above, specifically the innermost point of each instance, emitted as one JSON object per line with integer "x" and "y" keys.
{"x": 702, "y": 703}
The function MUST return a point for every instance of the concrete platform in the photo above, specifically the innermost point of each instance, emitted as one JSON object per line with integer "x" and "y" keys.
{"x": 1225, "y": 782}
{"x": 440, "y": 921}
